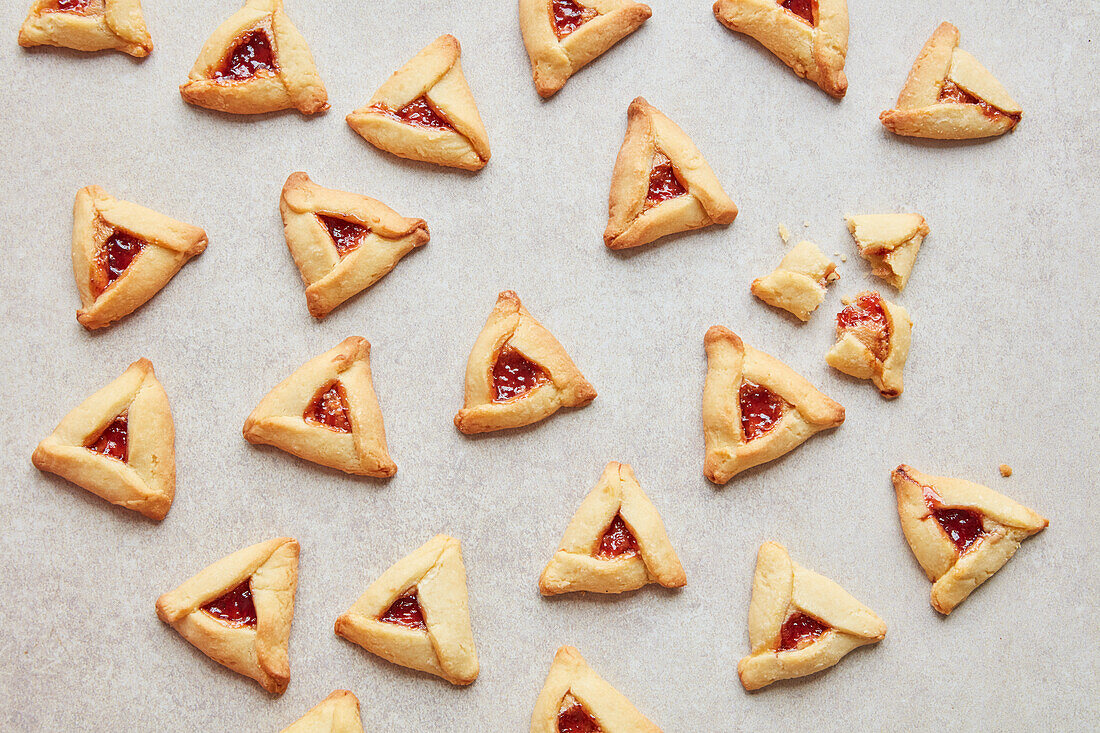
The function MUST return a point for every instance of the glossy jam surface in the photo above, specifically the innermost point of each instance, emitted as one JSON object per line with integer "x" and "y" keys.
{"x": 514, "y": 375}
{"x": 799, "y": 630}
{"x": 346, "y": 235}
{"x": 963, "y": 526}
{"x": 866, "y": 320}
{"x": 235, "y": 608}
{"x": 569, "y": 16}
{"x": 80, "y": 7}
{"x": 329, "y": 409}
{"x": 418, "y": 112}
{"x": 617, "y": 540}
{"x": 804, "y": 9}
{"x": 575, "y": 719}
{"x": 405, "y": 611}
{"x": 251, "y": 55}
{"x": 952, "y": 92}
{"x": 761, "y": 409}
{"x": 114, "y": 256}
{"x": 113, "y": 442}
{"x": 663, "y": 183}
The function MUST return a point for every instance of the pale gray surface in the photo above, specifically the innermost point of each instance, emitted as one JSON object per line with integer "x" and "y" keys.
{"x": 1003, "y": 297}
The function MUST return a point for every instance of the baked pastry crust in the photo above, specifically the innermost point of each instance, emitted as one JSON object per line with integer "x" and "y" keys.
{"x": 815, "y": 52}
{"x": 510, "y": 325}
{"x": 102, "y": 24}
{"x": 852, "y": 355}
{"x": 554, "y": 59}
{"x": 293, "y": 83}
{"x": 798, "y": 284}
{"x": 332, "y": 278}
{"x": 337, "y": 713}
{"x": 168, "y": 244}
{"x": 445, "y": 646}
{"x": 633, "y": 219}
{"x": 730, "y": 364}
{"x": 572, "y": 682}
{"x": 146, "y": 481}
{"x": 954, "y": 573}
{"x": 577, "y": 566}
{"x": 782, "y": 589}
{"x": 434, "y": 75}
{"x": 942, "y": 74}
{"x": 279, "y": 419}
{"x": 890, "y": 242}
{"x": 259, "y": 651}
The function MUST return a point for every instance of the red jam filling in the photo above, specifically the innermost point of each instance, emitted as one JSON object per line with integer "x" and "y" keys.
{"x": 569, "y": 16}
{"x": 799, "y": 630}
{"x": 235, "y": 608}
{"x": 405, "y": 611}
{"x": 866, "y": 320}
{"x": 514, "y": 375}
{"x": 963, "y": 526}
{"x": 112, "y": 442}
{"x": 346, "y": 235}
{"x": 952, "y": 92}
{"x": 617, "y": 540}
{"x": 804, "y": 9}
{"x": 114, "y": 256}
{"x": 418, "y": 112}
{"x": 80, "y": 7}
{"x": 575, "y": 719}
{"x": 251, "y": 55}
{"x": 663, "y": 183}
{"x": 329, "y": 409}
{"x": 761, "y": 409}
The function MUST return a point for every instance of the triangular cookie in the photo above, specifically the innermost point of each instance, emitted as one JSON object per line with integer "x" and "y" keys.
{"x": 342, "y": 242}
{"x": 123, "y": 254}
{"x": 872, "y": 341}
{"x": 755, "y": 407}
{"x": 87, "y": 25}
{"x": 616, "y": 542}
{"x": 416, "y": 614}
{"x": 661, "y": 185}
{"x": 960, "y": 532}
{"x": 563, "y": 35}
{"x": 517, "y": 373}
{"x": 256, "y": 62}
{"x": 426, "y": 111}
{"x": 576, "y": 699}
{"x": 810, "y": 36}
{"x": 950, "y": 96}
{"x": 327, "y": 412}
{"x": 238, "y": 610}
{"x": 337, "y": 713}
{"x": 119, "y": 444}
{"x": 799, "y": 622}
{"x": 798, "y": 284}
{"x": 890, "y": 242}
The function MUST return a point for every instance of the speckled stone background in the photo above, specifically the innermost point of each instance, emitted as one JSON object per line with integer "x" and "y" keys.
{"x": 1002, "y": 369}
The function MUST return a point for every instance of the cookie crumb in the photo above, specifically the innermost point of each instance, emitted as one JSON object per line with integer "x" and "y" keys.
{"x": 784, "y": 234}
{"x": 844, "y": 258}
{"x": 806, "y": 224}
{"x": 1006, "y": 470}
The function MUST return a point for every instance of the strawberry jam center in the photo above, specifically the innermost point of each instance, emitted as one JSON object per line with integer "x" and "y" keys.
{"x": 761, "y": 409}
{"x": 799, "y": 630}
{"x": 663, "y": 183}
{"x": 575, "y": 719}
{"x": 346, "y": 235}
{"x": 617, "y": 540}
{"x": 514, "y": 375}
{"x": 804, "y": 9}
{"x": 329, "y": 409}
{"x": 251, "y": 55}
{"x": 866, "y": 320}
{"x": 405, "y": 611}
{"x": 113, "y": 441}
{"x": 79, "y": 7}
{"x": 953, "y": 93}
{"x": 569, "y": 16}
{"x": 420, "y": 112}
{"x": 235, "y": 608}
{"x": 114, "y": 257}
{"x": 963, "y": 526}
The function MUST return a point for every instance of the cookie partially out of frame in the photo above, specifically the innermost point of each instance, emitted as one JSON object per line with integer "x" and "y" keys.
{"x": 87, "y": 25}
